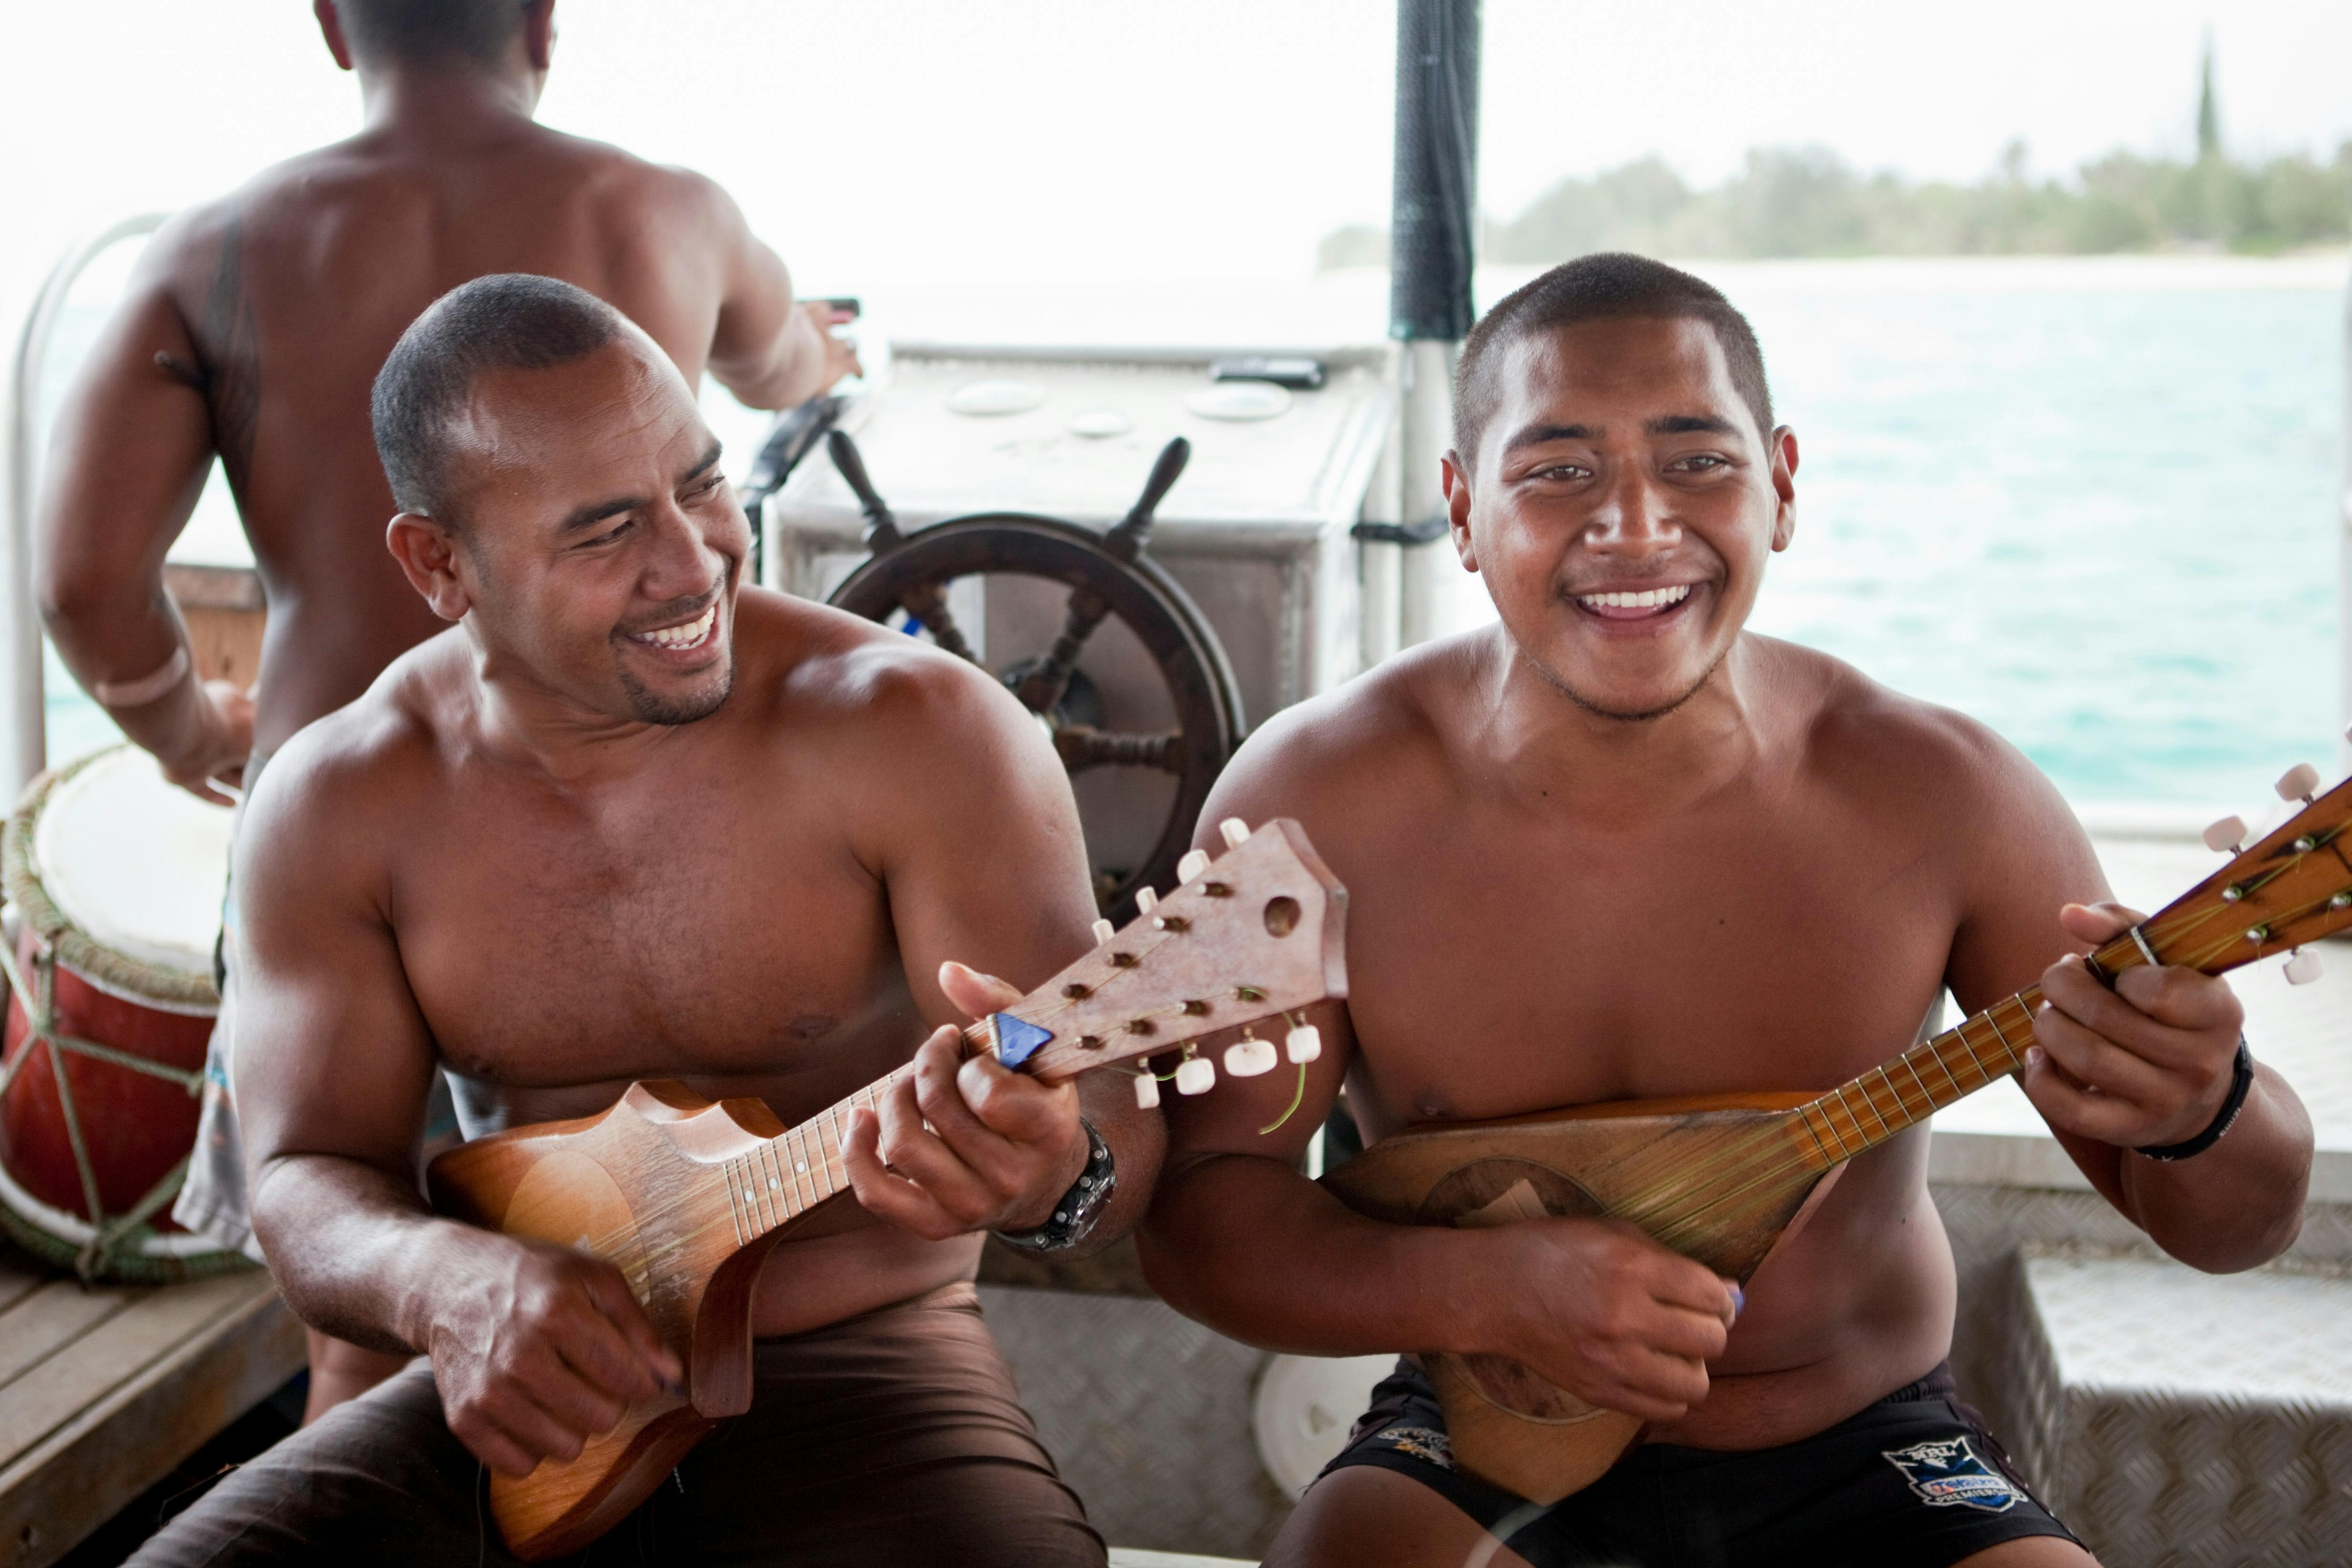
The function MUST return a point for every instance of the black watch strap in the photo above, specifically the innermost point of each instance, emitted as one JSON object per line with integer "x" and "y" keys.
{"x": 2242, "y": 1078}
{"x": 1075, "y": 1215}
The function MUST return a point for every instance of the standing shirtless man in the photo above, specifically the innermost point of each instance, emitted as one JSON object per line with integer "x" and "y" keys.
{"x": 251, "y": 331}
{"x": 1614, "y": 848}
{"x": 632, "y": 819}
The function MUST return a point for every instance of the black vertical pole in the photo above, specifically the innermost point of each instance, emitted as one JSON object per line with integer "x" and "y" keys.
{"x": 1435, "y": 195}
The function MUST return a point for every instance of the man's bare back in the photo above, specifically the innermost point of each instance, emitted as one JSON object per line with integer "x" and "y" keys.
{"x": 254, "y": 324}
{"x": 1615, "y": 847}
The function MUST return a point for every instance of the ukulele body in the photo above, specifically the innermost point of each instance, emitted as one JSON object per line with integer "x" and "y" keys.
{"x": 631, "y": 1187}
{"x": 1629, "y": 1160}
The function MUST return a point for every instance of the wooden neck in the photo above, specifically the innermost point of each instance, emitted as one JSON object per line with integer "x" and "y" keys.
{"x": 785, "y": 1177}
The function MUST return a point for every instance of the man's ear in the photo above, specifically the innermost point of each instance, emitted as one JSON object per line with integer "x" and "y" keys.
{"x": 428, "y": 552}
{"x": 539, "y": 33}
{"x": 1784, "y": 486}
{"x": 1455, "y": 480}
{"x": 332, "y": 25}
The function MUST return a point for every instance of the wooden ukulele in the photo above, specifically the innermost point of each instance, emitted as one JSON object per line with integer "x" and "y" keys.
{"x": 1722, "y": 1178}
{"x": 686, "y": 1197}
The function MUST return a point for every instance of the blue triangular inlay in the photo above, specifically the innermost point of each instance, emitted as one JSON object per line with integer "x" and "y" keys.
{"x": 1017, "y": 1039}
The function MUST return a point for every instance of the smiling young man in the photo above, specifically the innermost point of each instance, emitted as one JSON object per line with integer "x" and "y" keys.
{"x": 1616, "y": 847}
{"x": 631, "y": 819}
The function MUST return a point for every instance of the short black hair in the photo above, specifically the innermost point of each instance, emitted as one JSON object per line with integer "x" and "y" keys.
{"x": 477, "y": 31}
{"x": 1606, "y": 285}
{"x": 508, "y": 320}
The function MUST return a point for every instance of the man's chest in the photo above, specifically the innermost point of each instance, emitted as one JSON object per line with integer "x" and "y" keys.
{"x": 1491, "y": 975}
{"x": 546, "y": 953}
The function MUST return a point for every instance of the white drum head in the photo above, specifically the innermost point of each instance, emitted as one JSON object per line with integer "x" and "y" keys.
{"x": 135, "y": 862}
{"x": 1304, "y": 1407}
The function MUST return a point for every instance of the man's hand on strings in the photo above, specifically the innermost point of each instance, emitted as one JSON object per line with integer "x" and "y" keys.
{"x": 2146, "y": 1063}
{"x": 963, "y": 1145}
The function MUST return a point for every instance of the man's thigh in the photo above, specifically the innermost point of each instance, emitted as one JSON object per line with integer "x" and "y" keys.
{"x": 895, "y": 1439}
{"x": 378, "y": 1480}
{"x": 2040, "y": 1551}
{"x": 1366, "y": 1518}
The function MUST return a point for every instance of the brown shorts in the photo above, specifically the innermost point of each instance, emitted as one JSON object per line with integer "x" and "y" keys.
{"x": 892, "y": 1439}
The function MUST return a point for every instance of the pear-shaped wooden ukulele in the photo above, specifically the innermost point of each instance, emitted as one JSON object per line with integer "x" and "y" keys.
{"x": 1721, "y": 1178}
{"x": 686, "y": 1197}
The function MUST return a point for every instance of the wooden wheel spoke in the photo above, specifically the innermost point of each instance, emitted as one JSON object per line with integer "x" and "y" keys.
{"x": 927, "y": 603}
{"x": 1082, "y": 746}
{"x": 1041, "y": 689}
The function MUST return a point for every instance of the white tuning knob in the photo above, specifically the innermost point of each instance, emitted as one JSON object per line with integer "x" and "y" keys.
{"x": 1192, "y": 865}
{"x": 2224, "y": 837}
{"x": 1147, "y": 1090}
{"x": 1302, "y": 1043}
{"x": 1146, "y": 901}
{"x": 1104, "y": 931}
{"x": 2303, "y": 968}
{"x": 1195, "y": 1075}
{"x": 1234, "y": 831}
{"x": 1247, "y": 1059}
{"x": 2299, "y": 782}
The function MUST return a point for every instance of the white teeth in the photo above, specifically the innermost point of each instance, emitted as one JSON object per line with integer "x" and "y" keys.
{"x": 690, "y": 635}
{"x": 1648, "y": 598}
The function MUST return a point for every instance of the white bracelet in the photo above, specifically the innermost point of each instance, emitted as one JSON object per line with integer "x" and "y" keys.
{"x": 147, "y": 687}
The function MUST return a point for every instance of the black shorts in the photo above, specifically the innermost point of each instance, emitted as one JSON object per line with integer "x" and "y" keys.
{"x": 1913, "y": 1481}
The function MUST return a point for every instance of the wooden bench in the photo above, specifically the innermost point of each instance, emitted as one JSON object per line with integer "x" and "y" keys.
{"x": 104, "y": 1390}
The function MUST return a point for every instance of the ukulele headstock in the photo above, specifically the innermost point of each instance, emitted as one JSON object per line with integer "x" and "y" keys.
{"x": 2290, "y": 887}
{"x": 1250, "y": 935}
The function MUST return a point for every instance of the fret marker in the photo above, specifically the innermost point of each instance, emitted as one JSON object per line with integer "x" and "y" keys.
{"x": 775, "y": 1186}
{"x": 1017, "y": 1039}
{"x": 800, "y": 1167}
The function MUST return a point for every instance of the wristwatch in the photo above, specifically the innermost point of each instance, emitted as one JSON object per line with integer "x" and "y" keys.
{"x": 1075, "y": 1215}
{"x": 2242, "y": 1078}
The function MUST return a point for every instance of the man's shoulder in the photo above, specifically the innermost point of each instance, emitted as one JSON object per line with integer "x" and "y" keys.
{"x": 825, "y": 663}
{"x": 1390, "y": 723}
{"x": 364, "y": 758}
{"x": 1862, "y": 736}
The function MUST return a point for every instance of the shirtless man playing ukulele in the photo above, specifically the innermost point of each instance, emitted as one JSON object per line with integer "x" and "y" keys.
{"x": 252, "y": 330}
{"x": 632, "y": 819}
{"x": 1617, "y": 847}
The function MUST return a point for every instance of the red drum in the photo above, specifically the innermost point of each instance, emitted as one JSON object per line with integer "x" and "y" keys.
{"x": 116, "y": 876}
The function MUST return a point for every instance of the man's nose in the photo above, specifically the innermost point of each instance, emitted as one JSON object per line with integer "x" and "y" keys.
{"x": 1635, "y": 515}
{"x": 680, "y": 562}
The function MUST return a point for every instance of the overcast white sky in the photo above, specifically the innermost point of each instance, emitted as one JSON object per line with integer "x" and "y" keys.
{"x": 1092, "y": 139}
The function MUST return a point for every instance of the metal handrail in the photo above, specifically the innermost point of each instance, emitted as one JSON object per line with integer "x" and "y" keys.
{"x": 23, "y": 738}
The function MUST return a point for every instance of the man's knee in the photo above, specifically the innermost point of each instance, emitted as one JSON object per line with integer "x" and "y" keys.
{"x": 1361, "y": 1516}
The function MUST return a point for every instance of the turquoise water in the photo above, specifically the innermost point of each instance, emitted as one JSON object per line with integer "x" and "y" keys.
{"x": 2090, "y": 503}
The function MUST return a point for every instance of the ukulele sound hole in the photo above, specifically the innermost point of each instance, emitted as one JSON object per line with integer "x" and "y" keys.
{"x": 1281, "y": 915}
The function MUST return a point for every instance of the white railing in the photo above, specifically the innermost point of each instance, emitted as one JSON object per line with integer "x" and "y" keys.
{"x": 23, "y": 739}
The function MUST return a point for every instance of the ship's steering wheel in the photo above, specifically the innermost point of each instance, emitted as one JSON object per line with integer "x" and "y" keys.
{"x": 1109, "y": 575}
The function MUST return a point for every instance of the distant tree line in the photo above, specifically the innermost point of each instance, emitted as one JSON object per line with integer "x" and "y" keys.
{"x": 1806, "y": 200}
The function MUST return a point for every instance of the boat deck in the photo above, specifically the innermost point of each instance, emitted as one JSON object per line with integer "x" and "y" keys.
{"x": 104, "y": 1390}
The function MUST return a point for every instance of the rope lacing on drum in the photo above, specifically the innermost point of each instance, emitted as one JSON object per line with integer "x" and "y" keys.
{"x": 109, "y": 1237}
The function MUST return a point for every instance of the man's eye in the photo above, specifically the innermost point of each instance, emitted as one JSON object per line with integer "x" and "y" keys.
{"x": 1702, "y": 460}
{"x": 605, "y": 538}
{"x": 1564, "y": 471}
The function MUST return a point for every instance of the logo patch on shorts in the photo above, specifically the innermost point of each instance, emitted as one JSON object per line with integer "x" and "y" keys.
{"x": 1423, "y": 1443}
{"x": 1950, "y": 1472}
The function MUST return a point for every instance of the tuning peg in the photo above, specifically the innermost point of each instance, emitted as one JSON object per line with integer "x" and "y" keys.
{"x": 1249, "y": 1058}
{"x": 1146, "y": 901}
{"x": 1104, "y": 931}
{"x": 1192, "y": 865}
{"x": 1234, "y": 831}
{"x": 2299, "y": 782}
{"x": 2224, "y": 837}
{"x": 1302, "y": 1043}
{"x": 1195, "y": 1075}
{"x": 2303, "y": 967}
{"x": 1147, "y": 1090}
